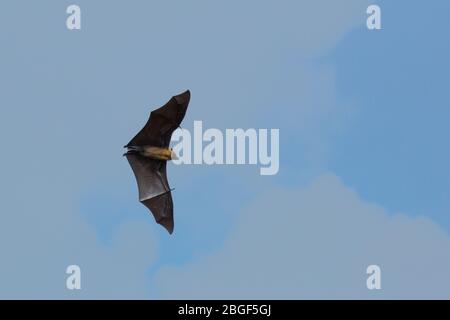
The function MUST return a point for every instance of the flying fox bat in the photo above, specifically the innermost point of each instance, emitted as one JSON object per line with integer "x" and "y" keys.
{"x": 148, "y": 153}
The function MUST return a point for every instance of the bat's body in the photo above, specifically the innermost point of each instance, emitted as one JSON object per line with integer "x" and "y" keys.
{"x": 155, "y": 153}
{"x": 148, "y": 153}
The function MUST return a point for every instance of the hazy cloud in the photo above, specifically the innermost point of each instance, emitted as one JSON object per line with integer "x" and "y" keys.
{"x": 316, "y": 242}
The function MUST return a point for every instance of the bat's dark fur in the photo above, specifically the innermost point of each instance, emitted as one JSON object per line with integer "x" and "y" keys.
{"x": 150, "y": 170}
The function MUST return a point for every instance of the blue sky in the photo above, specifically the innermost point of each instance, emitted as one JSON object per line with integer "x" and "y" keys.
{"x": 397, "y": 150}
{"x": 364, "y": 149}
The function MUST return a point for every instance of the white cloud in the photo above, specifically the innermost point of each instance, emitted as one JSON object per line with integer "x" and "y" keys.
{"x": 316, "y": 242}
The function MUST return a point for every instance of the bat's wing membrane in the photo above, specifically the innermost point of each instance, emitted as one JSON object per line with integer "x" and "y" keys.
{"x": 154, "y": 190}
{"x": 163, "y": 122}
{"x": 163, "y": 205}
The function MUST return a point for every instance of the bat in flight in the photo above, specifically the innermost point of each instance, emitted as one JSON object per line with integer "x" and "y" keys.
{"x": 148, "y": 153}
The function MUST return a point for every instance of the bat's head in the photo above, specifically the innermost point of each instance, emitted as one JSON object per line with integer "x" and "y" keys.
{"x": 173, "y": 155}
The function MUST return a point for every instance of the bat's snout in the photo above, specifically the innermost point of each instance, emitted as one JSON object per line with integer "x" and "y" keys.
{"x": 173, "y": 155}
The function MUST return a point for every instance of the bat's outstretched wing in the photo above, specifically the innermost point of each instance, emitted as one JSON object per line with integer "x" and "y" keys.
{"x": 151, "y": 176}
{"x": 154, "y": 190}
{"x": 163, "y": 122}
